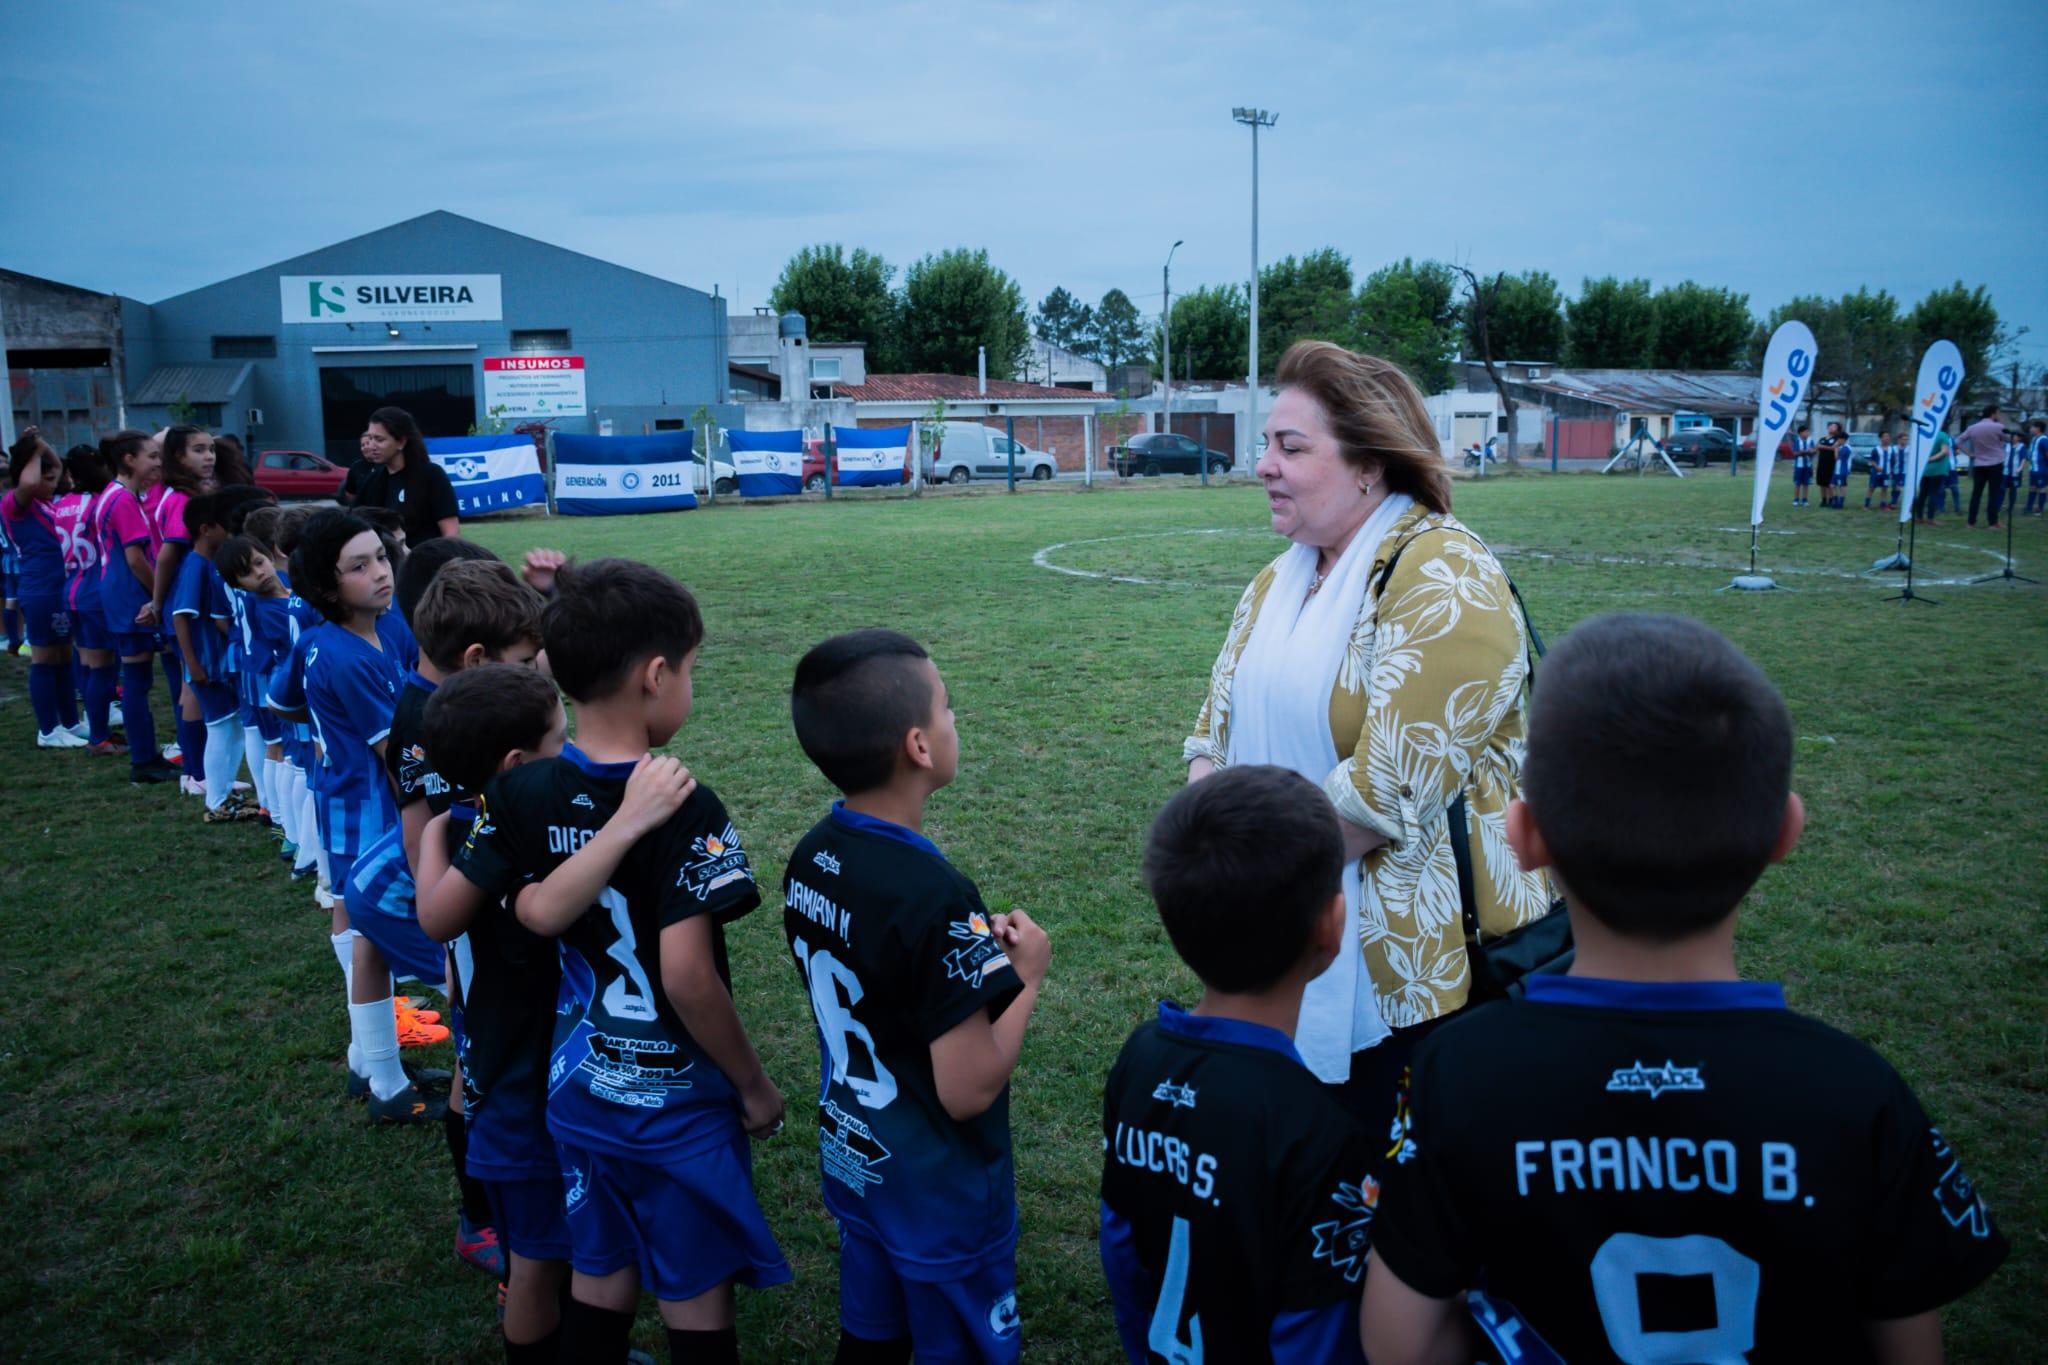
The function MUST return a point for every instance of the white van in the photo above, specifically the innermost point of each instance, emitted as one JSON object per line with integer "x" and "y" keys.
{"x": 969, "y": 450}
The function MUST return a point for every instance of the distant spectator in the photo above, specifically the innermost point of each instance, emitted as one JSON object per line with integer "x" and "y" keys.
{"x": 1984, "y": 443}
{"x": 1933, "y": 480}
{"x": 403, "y": 478}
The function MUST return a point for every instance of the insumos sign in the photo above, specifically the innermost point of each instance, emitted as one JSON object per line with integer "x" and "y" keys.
{"x": 390, "y": 298}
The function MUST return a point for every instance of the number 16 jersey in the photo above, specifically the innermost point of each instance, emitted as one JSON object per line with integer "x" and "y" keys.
{"x": 626, "y": 1077}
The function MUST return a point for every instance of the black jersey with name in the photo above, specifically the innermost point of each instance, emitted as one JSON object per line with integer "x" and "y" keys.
{"x": 413, "y": 775}
{"x": 894, "y": 948}
{"x": 1675, "y": 1171}
{"x": 626, "y": 1077}
{"x": 1236, "y": 1209}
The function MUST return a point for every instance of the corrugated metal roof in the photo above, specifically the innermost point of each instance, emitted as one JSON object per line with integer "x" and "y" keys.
{"x": 1721, "y": 393}
{"x": 193, "y": 383}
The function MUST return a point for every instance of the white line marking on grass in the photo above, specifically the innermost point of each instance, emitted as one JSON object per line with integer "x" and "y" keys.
{"x": 1043, "y": 558}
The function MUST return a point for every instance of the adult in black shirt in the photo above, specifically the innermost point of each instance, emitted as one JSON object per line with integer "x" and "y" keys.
{"x": 405, "y": 480}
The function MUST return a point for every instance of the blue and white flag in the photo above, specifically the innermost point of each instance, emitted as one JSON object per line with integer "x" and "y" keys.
{"x": 490, "y": 473}
{"x": 1934, "y": 395}
{"x": 872, "y": 455}
{"x": 607, "y": 476}
{"x": 768, "y": 463}
{"x": 1788, "y": 368}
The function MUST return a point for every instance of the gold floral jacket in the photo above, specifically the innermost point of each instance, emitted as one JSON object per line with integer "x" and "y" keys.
{"x": 1428, "y": 703}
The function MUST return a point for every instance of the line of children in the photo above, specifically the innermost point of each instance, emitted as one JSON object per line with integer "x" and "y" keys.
{"x": 2037, "y": 468}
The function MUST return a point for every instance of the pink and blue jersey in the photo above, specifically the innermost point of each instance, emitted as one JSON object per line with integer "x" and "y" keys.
{"x": 32, "y": 524}
{"x": 82, "y": 593}
{"x": 124, "y": 521}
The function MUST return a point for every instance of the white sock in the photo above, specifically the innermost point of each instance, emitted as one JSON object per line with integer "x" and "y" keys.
{"x": 344, "y": 945}
{"x": 375, "y": 1030}
{"x": 273, "y": 790}
{"x": 320, "y": 861}
{"x": 252, "y": 758}
{"x": 223, "y": 756}
{"x": 309, "y": 832}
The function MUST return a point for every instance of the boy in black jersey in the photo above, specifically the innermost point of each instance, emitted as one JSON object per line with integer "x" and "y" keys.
{"x": 654, "y": 1085}
{"x": 480, "y": 722}
{"x": 921, "y": 998}
{"x": 1650, "y": 1159}
{"x": 1235, "y": 1206}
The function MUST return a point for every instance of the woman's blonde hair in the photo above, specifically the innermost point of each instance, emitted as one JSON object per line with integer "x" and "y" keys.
{"x": 1376, "y": 414}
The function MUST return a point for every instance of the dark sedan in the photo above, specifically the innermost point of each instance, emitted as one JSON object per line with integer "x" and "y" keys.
{"x": 1167, "y": 452}
{"x": 1702, "y": 446}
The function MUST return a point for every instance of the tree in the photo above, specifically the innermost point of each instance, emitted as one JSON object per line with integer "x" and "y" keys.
{"x": 1525, "y": 320}
{"x": 954, "y": 303}
{"x": 842, "y": 297}
{"x": 1700, "y": 328}
{"x": 1966, "y": 317}
{"x": 1610, "y": 326}
{"x": 1482, "y": 299}
{"x": 1064, "y": 320}
{"x": 1116, "y": 332}
{"x": 1866, "y": 354}
{"x": 1308, "y": 297}
{"x": 1211, "y": 332}
{"x": 1407, "y": 312}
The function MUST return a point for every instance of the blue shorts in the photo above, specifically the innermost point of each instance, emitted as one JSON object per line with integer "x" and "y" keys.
{"x": 690, "y": 1224}
{"x": 267, "y": 724}
{"x": 216, "y": 699}
{"x": 2038, "y": 479}
{"x": 1802, "y": 476}
{"x": 89, "y": 630}
{"x": 384, "y": 914}
{"x": 1876, "y": 480}
{"x": 46, "y": 620}
{"x": 529, "y": 1219}
{"x": 971, "y": 1316}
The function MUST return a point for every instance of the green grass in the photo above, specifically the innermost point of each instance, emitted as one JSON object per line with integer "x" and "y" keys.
{"x": 185, "y": 1182}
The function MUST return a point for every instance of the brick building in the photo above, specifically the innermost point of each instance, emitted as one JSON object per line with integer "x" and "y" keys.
{"x": 1058, "y": 421}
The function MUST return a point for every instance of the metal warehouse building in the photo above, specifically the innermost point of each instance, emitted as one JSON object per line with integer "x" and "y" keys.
{"x": 450, "y": 318}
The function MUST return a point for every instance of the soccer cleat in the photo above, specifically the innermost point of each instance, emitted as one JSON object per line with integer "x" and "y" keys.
{"x": 410, "y": 1105}
{"x": 478, "y": 1246}
{"x": 106, "y": 748}
{"x": 431, "y": 1080}
{"x": 223, "y": 814}
{"x": 173, "y": 754}
{"x": 404, "y": 1013}
{"x": 413, "y": 1033}
{"x": 146, "y": 774}
{"x": 59, "y": 738}
{"x": 300, "y": 874}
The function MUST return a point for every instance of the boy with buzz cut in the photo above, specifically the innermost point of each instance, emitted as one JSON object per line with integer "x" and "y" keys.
{"x": 1650, "y": 1158}
{"x": 920, "y": 997}
{"x": 1236, "y": 1214}
{"x": 654, "y": 1085}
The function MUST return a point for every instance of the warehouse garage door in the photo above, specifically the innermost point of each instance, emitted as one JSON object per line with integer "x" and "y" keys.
{"x": 441, "y": 398}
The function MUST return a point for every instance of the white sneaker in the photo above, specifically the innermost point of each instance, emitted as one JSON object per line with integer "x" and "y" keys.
{"x": 172, "y": 753}
{"x": 79, "y": 730}
{"x": 192, "y": 786}
{"x": 59, "y": 738}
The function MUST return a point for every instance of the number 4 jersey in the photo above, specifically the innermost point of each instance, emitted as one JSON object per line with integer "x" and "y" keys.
{"x": 626, "y": 1078}
{"x": 895, "y": 949}
{"x": 1236, "y": 1211}
{"x": 1674, "y": 1172}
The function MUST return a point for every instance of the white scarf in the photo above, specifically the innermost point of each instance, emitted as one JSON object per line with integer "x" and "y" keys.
{"x": 1280, "y": 714}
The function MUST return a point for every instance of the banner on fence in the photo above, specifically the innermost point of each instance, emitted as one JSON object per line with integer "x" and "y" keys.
{"x": 872, "y": 455}
{"x": 606, "y": 476}
{"x": 1788, "y": 362}
{"x": 768, "y": 463}
{"x": 490, "y": 473}
{"x": 1934, "y": 394}
{"x": 521, "y": 386}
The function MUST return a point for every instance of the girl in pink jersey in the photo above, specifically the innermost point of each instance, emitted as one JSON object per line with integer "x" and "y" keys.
{"x": 188, "y": 472}
{"x": 89, "y": 638}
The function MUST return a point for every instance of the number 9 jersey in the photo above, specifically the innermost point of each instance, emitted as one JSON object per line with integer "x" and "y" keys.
{"x": 626, "y": 1078}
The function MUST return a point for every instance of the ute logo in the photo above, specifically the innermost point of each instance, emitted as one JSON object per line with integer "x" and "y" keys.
{"x": 1785, "y": 393}
{"x": 1934, "y": 407}
{"x": 1654, "y": 1080}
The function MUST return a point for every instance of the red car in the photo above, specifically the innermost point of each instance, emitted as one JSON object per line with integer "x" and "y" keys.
{"x": 298, "y": 474}
{"x": 814, "y": 466}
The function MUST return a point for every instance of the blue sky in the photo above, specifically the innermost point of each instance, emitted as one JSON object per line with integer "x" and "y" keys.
{"x": 1776, "y": 149}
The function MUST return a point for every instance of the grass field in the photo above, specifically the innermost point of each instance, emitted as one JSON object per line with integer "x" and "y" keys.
{"x": 184, "y": 1180}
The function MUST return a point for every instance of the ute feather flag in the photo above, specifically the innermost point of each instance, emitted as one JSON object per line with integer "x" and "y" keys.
{"x": 489, "y": 473}
{"x": 872, "y": 455}
{"x": 1788, "y": 364}
{"x": 768, "y": 463}
{"x": 1934, "y": 395}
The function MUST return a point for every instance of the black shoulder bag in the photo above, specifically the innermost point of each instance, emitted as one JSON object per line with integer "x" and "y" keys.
{"x": 1543, "y": 945}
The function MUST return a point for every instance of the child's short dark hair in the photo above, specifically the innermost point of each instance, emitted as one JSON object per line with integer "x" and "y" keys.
{"x": 1241, "y": 866}
{"x": 261, "y": 526}
{"x": 1658, "y": 765}
{"x": 315, "y": 564}
{"x": 208, "y": 509}
{"x": 474, "y": 602}
{"x": 387, "y": 521}
{"x": 248, "y": 500}
{"x": 422, "y": 564}
{"x": 291, "y": 524}
{"x": 610, "y": 615}
{"x": 854, "y": 698}
{"x": 481, "y": 714}
{"x": 236, "y": 556}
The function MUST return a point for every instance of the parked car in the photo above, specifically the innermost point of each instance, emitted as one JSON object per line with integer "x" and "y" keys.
{"x": 298, "y": 474}
{"x": 1862, "y": 445}
{"x": 969, "y": 450}
{"x": 1703, "y": 446}
{"x": 814, "y": 466}
{"x": 1167, "y": 452}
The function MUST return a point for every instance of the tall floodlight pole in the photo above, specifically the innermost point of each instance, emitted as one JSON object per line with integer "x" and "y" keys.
{"x": 1254, "y": 119}
{"x": 1166, "y": 339}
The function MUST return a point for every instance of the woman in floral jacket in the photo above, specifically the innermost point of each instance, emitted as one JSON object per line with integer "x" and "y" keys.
{"x": 1397, "y": 692}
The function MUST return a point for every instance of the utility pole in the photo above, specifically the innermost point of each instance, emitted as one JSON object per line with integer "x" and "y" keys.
{"x": 1254, "y": 119}
{"x": 1166, "y": 340}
